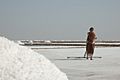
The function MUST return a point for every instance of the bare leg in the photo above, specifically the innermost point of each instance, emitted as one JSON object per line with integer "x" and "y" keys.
{"x": 91, "y": 57}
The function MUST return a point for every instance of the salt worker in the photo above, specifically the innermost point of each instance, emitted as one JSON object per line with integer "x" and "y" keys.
{"x": 90, "y": 43}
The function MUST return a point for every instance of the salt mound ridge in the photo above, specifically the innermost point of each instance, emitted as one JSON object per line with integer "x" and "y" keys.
{"x": 21, "y": 63}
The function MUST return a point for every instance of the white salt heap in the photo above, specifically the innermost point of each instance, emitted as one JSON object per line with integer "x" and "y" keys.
{"x": 21, "y": 63}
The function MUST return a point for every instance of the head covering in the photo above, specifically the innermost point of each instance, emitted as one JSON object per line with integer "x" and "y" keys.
{"x": 91, "y": 29}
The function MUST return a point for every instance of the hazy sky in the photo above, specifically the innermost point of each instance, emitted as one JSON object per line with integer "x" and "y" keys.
{"x": 59, "y": 19}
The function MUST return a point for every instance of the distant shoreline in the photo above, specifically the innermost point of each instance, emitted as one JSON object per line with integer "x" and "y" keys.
{"x": 77, "y": 43}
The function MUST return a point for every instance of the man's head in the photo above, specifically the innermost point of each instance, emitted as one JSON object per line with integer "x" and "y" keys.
{"x": 91, "y": 29}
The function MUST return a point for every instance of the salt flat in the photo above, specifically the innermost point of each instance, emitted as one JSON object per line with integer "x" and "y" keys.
{"x": 105, "y": 68}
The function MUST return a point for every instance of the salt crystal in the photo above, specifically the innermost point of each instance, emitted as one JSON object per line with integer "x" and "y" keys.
{"x": 21, "y": 63}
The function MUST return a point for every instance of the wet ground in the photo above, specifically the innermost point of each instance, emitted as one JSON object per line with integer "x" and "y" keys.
{"x": 105, "y": 68}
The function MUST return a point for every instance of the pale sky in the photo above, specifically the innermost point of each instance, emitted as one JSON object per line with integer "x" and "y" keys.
{"x": 59, "y": 19}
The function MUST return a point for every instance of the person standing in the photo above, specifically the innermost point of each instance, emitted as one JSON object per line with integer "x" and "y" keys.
{"x": 90, "y": 44}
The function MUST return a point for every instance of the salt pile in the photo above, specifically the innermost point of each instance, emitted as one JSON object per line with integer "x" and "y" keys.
{"x": 21, "y": 63}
